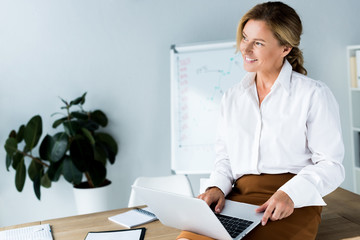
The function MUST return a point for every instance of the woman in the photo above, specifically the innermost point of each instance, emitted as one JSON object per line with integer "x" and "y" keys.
{"x": 279, "y": 140}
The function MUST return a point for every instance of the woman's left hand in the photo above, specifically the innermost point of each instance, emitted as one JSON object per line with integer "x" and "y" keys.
{"x": 279, "y": 206}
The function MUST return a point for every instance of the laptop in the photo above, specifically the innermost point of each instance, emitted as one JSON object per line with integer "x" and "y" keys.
{"x": 194, "y": 215}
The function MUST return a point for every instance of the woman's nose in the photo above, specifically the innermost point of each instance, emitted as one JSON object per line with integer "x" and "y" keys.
{"x": 246, "y": 47}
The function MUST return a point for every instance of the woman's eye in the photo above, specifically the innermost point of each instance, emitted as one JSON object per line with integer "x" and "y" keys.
{"x": 259, "y": 44}
{"x": 244, "y": 38}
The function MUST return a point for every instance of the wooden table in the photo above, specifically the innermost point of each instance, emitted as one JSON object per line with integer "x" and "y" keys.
{"x": 340, "y": 221}
{"x": 76, "y": 227}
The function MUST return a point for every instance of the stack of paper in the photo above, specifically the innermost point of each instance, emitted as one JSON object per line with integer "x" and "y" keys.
{"x": 131, "y": 234}
{"x": 38, "y": 232}
{"x": 134, "y": 217}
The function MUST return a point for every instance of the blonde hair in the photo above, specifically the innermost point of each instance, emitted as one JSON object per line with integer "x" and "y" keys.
{"x": 286, "y": 25}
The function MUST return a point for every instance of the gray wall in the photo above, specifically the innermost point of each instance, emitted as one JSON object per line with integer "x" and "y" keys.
{"x": 118, "y": 51}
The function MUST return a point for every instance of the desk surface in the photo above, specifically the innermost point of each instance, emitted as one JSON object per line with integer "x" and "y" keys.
{"x": 76, "y": 227}
{"x": 340, "y": 220}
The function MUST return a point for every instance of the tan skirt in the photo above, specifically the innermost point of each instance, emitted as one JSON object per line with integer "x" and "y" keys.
{"x": 302, "y": 224}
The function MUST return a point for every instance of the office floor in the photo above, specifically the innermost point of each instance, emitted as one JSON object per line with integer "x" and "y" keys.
{"x": 341, "y": 216}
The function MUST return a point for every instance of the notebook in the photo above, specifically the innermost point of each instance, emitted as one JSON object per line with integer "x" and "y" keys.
{"x": 134, "y": 217}
{"x": 193, "y": 214}
{"x": 38, "y": 232}
{"x": 130, "y": 234}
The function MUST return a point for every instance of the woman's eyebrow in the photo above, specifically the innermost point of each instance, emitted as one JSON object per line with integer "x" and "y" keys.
{"x": 255, "y": 39}
{"x": 259, "y": 39}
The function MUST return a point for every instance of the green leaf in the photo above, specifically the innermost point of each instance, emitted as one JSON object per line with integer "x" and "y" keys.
{"x": 80, "y": 115}
{"x": 65, "y": 102}
{"x": 12, "y": 134}
{"x": 45, "y": 181}
{"x": 20, "y": 176}
{"x": 45, "y": 145}
{"x": 54, "y": 148}
{"x": 83, "y": 98}
{"x": 60, "y": 146}
{"x": 70, "y": 172}
{"x": 99, "y": 117}
{"x": 18, "y": 157}
{"x": 91, "y": 125}
{"x": 109, "y": 143}
{"x": 59, "y": 121}
{"x": 36, "y": 185}
{"x": 34, "y": 170}
{"x": 81, "y": 153}
{"x": 71, "y": 127}
{"x": 97, "y": 172}
{"x": 33, "y": 131}
{"x": 79, "y": 100}
{"x": 55, "y": 170}
{"x": 20, "y": 133}
{"x": 88, "y": 135}
{"x": 11, "y": 146}
{"x": 26, "y": 149}
{"x": 8, "y": 161}
{"x": 100, "y": 153}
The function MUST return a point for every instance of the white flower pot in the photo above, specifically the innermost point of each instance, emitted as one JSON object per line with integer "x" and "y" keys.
{"x": 90, "y": 200}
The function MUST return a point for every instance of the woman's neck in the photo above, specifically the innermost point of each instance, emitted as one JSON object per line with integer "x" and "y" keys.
{"x": 264, "y": 82}
{"x": 265, "y": 78}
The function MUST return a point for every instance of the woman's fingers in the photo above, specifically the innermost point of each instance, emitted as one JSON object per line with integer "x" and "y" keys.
{"x": 214, "y": 196}
{"x": 279, "y": 206}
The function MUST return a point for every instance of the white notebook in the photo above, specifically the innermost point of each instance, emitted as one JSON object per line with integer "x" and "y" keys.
{"x": 38, "y": 232}
{"x": 128, "y": 234}
{"x": 134, "y": 217}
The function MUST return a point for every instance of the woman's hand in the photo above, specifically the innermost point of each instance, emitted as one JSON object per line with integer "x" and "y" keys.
{"x": 214, "y": 196}
{"x": 279, "y": 206}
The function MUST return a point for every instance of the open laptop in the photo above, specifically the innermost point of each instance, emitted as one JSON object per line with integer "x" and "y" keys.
{"x": 194, "y": 215}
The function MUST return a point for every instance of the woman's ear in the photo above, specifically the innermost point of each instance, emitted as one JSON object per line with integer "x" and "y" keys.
{"x": 286, "y": 50}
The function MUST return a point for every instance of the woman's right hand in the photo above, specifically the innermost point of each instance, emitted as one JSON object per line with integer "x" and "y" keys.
{"x": 214, "y": 195}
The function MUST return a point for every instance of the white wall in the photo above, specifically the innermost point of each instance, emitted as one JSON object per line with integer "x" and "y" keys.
{"x": 118, "y": 51}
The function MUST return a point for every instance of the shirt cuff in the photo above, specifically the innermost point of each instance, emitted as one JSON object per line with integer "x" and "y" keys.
{"x": 302, "y": 192}
{"x": 220, "y": 181}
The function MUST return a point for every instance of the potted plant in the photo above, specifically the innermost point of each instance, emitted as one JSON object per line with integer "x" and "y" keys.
{"x": 78, "y": 149}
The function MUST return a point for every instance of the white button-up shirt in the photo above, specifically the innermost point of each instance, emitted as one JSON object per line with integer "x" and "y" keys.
{"x": 296, "y": 130}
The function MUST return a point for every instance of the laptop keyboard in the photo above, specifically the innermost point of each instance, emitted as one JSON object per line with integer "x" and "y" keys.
{"x": 234, "y": 226}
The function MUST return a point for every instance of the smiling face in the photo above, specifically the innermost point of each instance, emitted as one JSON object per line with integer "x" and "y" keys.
{"x": 261, "y": 51}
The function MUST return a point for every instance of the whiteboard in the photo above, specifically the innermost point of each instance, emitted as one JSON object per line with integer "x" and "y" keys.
{"x": 200, "y": 74}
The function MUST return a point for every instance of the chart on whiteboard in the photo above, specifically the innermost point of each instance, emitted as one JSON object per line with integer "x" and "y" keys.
{"x": 202, "y": 79}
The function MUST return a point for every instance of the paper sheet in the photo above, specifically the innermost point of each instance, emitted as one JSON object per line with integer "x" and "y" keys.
{"x": 37, "y": 232}
{"x": 134, "y": 217}
{"x": 133, "y": 234}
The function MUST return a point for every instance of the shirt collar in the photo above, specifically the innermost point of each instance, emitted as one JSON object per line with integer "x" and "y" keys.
{"x": 285, "y": 76}
{"x": 283, "y": 79}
